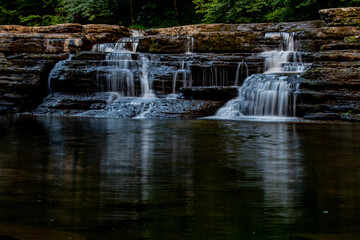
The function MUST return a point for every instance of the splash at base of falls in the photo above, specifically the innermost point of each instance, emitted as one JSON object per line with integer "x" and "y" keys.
{"x": 271, "y": 94}
{"x": 264, "y": 95}
{"x": 113, "y": 105}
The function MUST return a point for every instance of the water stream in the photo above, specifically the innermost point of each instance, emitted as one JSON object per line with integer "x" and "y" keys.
{"x": 129, "y": 73}
{"x": 273, "y": 93}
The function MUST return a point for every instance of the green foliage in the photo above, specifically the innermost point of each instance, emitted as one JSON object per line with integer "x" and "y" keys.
{"x": 151, "y": 15}
{"x": 80, "y": 11}
{"x": 228, "y": 11}
{"x": 243, "y": 11}
{"x": 6, "y": 15}
{"x": 36, "y": 20}
{"x": 162, "y": 13}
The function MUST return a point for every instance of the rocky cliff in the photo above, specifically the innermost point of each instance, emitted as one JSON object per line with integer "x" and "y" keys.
{"x": 27, "y": 54}
{"x": 328, "y": 90}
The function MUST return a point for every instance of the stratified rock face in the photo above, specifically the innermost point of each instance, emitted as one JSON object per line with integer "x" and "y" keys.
{"x": 162, "y": 44}
{"x": 330, "y": 89}
{"x": 341, "y": 16}
{"x": 27, "y": 54}
{"x": 230, "y": 38}
{"x": 21, "y": 83}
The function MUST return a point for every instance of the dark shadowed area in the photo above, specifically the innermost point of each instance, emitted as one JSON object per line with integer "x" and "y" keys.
{"x": 81, "y": 178}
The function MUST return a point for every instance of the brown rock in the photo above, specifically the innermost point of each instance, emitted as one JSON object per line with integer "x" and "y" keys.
{"x": 2, "y": 57}
{"x": 14, "y": 29}
{"x": 89, "y": 56}
{"x": 338, "y": 55}
{"x": 162, "y": 44}
{"x": 341, "y": 16}
{"x": 227, "y": 42}
{"x": 60, "y": 28}
{"x": 28, "y": 43}
{"x": 5, "y": 42}
{"x": 101, "y": 28}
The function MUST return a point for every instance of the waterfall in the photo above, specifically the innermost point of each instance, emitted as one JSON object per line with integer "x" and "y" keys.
{"x": 274, "y": 92}
{"x": 55, "y": 72}
{"x": 189, "y": 45}
{"x": 285, "y": 59}
{"x": 185, "y": 71}
{"x": 132, "y": 73}
{"x": 146, "y": 89}
{"x": 239, "y": 72}
{"x": 124, "y": 71}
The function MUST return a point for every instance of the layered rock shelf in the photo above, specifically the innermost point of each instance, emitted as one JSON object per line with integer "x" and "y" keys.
{"x": 27, "y": 55}
{"x": 329, "y": 89}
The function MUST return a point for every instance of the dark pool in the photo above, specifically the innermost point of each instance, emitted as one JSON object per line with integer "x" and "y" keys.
{"x": 82, "y": 178}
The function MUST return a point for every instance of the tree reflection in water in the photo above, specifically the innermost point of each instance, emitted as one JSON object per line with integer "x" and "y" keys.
{"x": 147, "y": 179}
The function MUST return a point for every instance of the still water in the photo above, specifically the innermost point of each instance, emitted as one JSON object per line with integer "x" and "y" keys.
{"x": 71, "y": 178}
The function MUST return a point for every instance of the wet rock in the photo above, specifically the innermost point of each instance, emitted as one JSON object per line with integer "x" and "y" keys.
{"x": 209, "y": 93}
{"x": 114, "y": 106}
{"x": 2, "y": 57}
{"x": 331, "y": 90}
{"x": 75, "y": 76}
{"x": 162, "y": 44}
{"x": 333, "y": 75}
{"x": 89, "y": 56}
{"x": 338, "y": 55}
{"x": 27, "y": 54}
{"x": 341, "y": 16}
{"x": 23, "y": 83}
{"x": 227, "y": 42}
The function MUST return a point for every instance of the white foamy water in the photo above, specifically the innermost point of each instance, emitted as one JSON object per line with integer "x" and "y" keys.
{"x": 274, "y": 93}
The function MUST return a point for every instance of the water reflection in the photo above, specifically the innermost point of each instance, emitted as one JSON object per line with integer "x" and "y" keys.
{"x": 145, "y": 179}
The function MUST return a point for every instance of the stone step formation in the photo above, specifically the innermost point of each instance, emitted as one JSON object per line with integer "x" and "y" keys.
{"x": 172, "y": 60}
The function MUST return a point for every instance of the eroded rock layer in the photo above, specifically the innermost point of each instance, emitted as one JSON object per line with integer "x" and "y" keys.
{"x": 27, "y": 55}
{"x": 328, "y": 90}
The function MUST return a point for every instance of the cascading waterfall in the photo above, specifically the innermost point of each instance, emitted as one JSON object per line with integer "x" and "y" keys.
{"x": 185, "y": 72}
{"x": 239, "y": 72}
{"x": 124, "y": 71}
{"x": 285, "y": 59}
{"x": 54, "y": 72}
{"x": 273, "y": 93}
{"x": 145, "y": 83}
{"x": 189, "y": 45}
{"x": 131, "y": 73}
